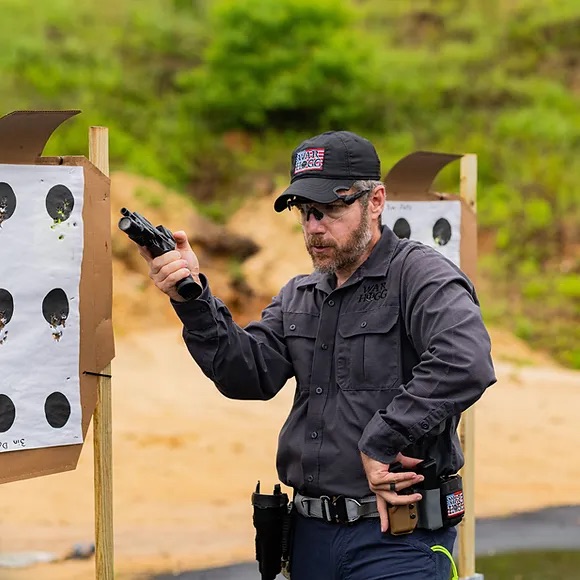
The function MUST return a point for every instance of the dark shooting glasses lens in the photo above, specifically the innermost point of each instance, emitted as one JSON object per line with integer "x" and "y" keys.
{"x": 329, "y": 212}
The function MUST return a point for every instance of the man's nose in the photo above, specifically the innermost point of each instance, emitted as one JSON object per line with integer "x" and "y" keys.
{"x": 314, "y": 226}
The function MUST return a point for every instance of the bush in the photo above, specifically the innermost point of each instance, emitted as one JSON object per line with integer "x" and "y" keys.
{"x": 287, "y": 64}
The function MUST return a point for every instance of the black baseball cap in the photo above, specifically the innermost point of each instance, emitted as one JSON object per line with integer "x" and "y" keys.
{"x": 328, "y": 163}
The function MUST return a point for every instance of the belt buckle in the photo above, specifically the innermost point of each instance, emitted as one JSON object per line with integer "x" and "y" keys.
{"x": 358, "y": 505}
{"x": 334, "y": 510}
{"x": 325, "y": 506}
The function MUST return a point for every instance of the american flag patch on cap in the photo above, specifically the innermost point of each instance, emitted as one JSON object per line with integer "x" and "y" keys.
{"x": 309, "y": 160}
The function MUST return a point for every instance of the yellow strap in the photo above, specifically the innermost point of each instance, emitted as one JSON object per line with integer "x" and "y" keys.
{"x": 444, "y": 550}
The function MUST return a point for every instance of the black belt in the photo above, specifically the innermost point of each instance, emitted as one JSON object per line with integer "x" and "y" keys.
{"x": 441, "y": 506}
{"x": 336, "y": 509}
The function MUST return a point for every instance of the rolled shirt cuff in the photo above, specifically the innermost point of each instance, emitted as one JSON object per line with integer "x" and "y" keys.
{"x": 380, "y": 441}
{"x": 197, "y": 315}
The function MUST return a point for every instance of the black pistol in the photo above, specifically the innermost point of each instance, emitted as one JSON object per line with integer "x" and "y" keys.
{"x": 158, "y": 241}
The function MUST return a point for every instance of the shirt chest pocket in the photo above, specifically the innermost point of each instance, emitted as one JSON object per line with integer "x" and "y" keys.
{"x": 368, "y": 350}
{"x": 300, "y": 335}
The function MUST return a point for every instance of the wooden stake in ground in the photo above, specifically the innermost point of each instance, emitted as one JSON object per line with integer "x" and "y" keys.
{"x": 466, "y": 561}
{"x": 102, "y": 418}
{"x": 409, "y": 184}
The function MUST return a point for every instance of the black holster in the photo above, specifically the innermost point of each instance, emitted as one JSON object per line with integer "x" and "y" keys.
{"x": 272, "y": 520}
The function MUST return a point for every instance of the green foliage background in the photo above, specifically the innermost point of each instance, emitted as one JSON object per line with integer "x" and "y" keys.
{"x": 208, "y": 96}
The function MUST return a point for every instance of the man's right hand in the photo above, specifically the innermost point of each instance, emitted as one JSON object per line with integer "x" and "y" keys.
{"x": 382, "y": 481}
{"x": 168, "y": 269}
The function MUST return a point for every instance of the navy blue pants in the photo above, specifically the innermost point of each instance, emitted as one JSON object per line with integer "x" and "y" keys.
{"x": 323, "y": 551}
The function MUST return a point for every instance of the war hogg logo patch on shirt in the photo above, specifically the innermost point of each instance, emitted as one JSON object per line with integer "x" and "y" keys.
{"x": 309, "y": 160}
{"x": 372, "y": 292}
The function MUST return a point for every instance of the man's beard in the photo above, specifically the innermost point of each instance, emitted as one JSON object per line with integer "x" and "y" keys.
{"x": 341, "y": 257}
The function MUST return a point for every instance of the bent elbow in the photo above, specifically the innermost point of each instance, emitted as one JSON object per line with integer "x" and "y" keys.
{"x": 482, "y": 372}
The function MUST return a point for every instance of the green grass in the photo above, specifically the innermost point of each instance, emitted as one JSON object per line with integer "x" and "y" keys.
{"x": 544, "y": 565}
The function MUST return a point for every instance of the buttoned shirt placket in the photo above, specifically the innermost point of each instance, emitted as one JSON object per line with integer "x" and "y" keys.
{"x": 323, "y": 380}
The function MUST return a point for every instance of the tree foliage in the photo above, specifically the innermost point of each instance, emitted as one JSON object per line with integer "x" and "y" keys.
{"x": 284, "y": 65}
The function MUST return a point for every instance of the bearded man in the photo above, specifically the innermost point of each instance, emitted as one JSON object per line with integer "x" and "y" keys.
{"x": 387, "y": 345}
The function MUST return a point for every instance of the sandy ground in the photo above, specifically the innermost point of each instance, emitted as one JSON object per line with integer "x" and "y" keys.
{"x": 186, "y": 460}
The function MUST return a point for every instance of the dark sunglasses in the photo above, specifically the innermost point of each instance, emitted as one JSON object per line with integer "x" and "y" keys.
{"x": 318, "y": 213}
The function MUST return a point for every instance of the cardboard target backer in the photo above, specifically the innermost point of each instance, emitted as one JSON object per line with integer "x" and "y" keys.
{"x": 55, "y": 297}
{"x": 442, "y": 221}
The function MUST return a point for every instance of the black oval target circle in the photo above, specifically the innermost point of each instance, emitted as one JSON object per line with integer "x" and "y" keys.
{"x": 7, "y": 413}
{"x": 7, "y": 202}
{"x": 6, "y": 307}
{"x": 402, "y": 229}
{"x": 55, "y": 307}
{"x": 57, "y": 410}
{"x": 441, "y": 231}
{"x": 59, "y": 203}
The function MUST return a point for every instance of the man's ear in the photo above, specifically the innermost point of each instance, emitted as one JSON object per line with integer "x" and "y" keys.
{"x": 377, "y": 201}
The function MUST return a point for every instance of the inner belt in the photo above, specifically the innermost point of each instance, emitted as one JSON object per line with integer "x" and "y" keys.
{"x": 336, "y": 509}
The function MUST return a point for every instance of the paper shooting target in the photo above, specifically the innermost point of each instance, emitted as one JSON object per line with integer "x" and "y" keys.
{"x": 6, "y": 311}
{"x": 41, "y": 250}
{"x": 7, "y": 202}
{"x": 434, "y": 223}
{"x": 59, "y": 203}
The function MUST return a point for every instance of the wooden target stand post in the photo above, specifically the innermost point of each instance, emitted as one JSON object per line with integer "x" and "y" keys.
{"x": 56, "y": 333}
{"x": 447, "y": 223}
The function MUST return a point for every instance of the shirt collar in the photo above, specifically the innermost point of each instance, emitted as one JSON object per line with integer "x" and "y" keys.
{"x": 322, "y": 281}
{"x": 377, "y": 264}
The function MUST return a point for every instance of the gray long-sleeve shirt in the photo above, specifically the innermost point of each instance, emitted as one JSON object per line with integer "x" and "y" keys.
{"x": 384, "y": 364}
